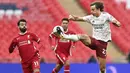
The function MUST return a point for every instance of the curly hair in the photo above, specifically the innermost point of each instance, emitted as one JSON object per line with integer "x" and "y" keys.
{"x": 21, "y": 20}
{"x": 99, "y": 5}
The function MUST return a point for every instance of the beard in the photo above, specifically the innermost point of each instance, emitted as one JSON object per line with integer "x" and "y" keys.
{"x": 23, "y": 30}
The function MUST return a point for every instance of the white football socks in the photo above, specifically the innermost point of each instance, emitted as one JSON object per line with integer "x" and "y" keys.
{"x": 71, "y": 37}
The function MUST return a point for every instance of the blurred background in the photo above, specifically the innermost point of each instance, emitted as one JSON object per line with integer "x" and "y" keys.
{"x": 43, "y": 15}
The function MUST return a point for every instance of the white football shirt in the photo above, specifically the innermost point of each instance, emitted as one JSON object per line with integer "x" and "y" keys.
{"x": 101, "y": 26}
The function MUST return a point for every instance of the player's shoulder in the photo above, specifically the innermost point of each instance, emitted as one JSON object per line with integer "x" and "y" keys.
{"x": 105, "y": 13}
{"x": 30, "y": 33}
{"x": 16, "y": 38}
{"x": 89, "y": 16}
{"x": 70, "y": 32}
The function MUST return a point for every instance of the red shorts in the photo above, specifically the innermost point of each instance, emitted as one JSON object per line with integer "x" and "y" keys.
{"x": 61, "y": 57}
{"x": 99, "y": 46}
{"x": 31, "y": 65}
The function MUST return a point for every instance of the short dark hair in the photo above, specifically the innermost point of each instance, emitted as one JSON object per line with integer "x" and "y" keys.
{"x": 21, "y": 20}
{"x": 99, "y": 5}
{"x": 65, "y": 19}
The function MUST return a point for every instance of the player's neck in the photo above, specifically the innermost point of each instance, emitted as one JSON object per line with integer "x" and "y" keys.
{"x": 22, "y": 33}
{"x": 98, "y": 14}
{"x": 66, "y": 30}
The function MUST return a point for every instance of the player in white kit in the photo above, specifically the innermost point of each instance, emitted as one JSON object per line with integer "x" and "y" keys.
{"x": 101, "y": 31}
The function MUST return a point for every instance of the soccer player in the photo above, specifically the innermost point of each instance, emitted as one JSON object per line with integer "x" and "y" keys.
{"x": 101, "y": 31}
{"x": 62, "y": 48}
{"x": 28, "y": 52}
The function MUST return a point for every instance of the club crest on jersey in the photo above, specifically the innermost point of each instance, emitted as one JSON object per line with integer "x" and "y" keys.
{"x": 93, "y": 21}
{"x": 64, "y": 40}
{"x": 28, "y": 36}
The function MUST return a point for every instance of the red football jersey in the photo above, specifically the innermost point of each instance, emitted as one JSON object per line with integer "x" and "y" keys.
{"x": 61, "y": 45}
{"x": 25, "y": 45}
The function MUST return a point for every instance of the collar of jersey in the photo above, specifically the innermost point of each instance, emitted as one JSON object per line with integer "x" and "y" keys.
{"x": 66, "y": 31}
{"x": 23, "y": 33}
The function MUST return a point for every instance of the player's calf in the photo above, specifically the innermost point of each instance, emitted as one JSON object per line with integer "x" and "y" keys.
{"x": 67, "y": 67}
{"x": 54, "y": 70}
{"x": 85, "y": 39}
{"x": 102, "y": 63}
{"x": 57, "y": 68}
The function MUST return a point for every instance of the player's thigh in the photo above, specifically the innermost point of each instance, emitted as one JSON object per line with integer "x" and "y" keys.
{"x": 101, "y": 48}
{"x": 101, "y": 54}
{"x": 61, "y": 58}
{"x": 85, "y": 39}
{"x": 35, "y": 65}
{"x": 26, "y": 68}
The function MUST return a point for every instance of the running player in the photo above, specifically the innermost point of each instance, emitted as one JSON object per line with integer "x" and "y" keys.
{"x": 62, "y": 48}
{"x": 28, "y": 52}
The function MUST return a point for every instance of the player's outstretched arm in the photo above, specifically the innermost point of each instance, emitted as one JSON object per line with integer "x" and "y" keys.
{"x": 116, "y": 23}
{"x": 75, "y": 18}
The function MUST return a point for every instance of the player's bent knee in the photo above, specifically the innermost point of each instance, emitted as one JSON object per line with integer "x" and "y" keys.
{"x": 67, "y": 64}
{"x": 83, "y": 36}
{"x": 85, "y": 39}
{"x": 36, "y": 71}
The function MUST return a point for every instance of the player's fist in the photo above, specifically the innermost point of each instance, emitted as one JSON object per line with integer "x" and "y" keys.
{"x": 72, "y": 17}
{"x": 52, "y": 47}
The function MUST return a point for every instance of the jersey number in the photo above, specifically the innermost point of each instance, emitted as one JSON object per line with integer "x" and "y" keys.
{"x": 36, "y": 63}
{"x": 104, "y": 52}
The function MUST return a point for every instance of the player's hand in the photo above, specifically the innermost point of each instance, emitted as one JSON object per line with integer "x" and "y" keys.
{"x": 20, "y": 60}
{"x": 52, "y": 47}
{"x": 72, "y": 17}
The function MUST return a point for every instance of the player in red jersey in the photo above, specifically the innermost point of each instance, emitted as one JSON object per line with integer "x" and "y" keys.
{"x": 62, "y": 49}
{"x": 28, "y": 52}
